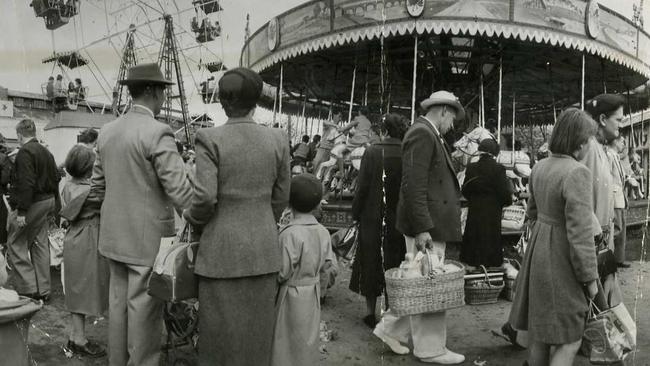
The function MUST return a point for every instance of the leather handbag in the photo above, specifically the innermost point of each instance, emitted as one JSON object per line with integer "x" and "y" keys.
{"x": 605, "y": 256}
{"x": 172, "y": 278}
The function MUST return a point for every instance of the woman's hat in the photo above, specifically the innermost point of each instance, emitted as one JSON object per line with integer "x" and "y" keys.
{"x": 443, "y": 97}
{"x": 240, "y": 86}
{"x": 306, "y": 192}
{"x": 145, "y": 74}
{"x": 489, "y": 146}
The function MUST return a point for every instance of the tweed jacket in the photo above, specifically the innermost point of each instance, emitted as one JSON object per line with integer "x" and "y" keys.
{"x": 140, "y": 178}
{"x": 429, "y": 194}
{"x": 242, "y": 187}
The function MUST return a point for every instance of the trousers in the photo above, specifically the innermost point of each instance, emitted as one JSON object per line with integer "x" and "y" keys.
{"x": 29, "y": 250}
{"x": 135, "y": 318}
{"x": 428, "y": 331}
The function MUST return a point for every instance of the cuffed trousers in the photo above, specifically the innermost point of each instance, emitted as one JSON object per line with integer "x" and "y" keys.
{"x": 428, "y": 331}
{"x": 29, "y": 250}
{"x": 135, "y": 318}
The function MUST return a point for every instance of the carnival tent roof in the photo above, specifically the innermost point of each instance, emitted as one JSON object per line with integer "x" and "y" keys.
{"x": 322, "y": 47}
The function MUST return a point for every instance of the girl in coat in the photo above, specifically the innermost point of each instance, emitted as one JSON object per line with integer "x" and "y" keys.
{"x": 306, "y": 252}
{"x": 376, "y": 199}
{"x": 559, "y": 271}
{"x": 86, "y": 272}
{"x": 486, "y": 189}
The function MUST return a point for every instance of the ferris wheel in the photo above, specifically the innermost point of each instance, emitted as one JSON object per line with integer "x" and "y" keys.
{"x": 184, "y": 37}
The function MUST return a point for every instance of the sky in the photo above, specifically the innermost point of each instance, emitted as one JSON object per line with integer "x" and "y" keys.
{"x": 26, "y": 41}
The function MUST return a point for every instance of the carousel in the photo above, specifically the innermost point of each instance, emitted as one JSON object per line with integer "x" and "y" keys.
{"x": 514, "y": 64}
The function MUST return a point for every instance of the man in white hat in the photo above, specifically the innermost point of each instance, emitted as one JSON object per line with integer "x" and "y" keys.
{"x": 139, "y": 179}
{"x": 428, "y": 214}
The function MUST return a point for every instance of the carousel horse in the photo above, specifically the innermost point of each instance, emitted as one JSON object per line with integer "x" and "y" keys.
{"x": 517, "y": 165}
{"x": 466, "y": 149}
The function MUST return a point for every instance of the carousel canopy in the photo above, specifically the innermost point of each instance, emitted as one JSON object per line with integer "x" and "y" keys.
{"x": 462, "y": 45}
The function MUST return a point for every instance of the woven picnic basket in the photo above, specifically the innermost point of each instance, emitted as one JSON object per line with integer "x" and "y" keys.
{"x": 429, "y": 294}
{"x": 483, "y": 290}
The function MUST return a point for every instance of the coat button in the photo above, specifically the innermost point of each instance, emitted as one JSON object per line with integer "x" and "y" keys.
{"x": 445, "y": 202}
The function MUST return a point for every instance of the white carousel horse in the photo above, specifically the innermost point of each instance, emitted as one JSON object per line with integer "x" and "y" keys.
{"x": 467, "y": 149}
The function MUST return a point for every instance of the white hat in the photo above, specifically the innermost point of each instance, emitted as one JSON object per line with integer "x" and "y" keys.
{"x": 443, "y": 97}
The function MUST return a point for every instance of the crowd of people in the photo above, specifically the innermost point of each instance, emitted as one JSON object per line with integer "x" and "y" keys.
{"x": 259, "y": 278}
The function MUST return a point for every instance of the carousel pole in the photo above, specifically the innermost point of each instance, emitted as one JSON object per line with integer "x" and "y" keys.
{"x": 354, "y": 79}
{"x": 365, "y": 95}
{"x": 415, "y": 69}
{"x": 280, "y": 91}
{"x": 275, "y": 102}
{"x": 482, "y": 101}
{"x": 629, "y": 113}
{"x": 582, "y": 84}
{"x": 304, "y": 118}
{"x": 500, "y": 101}
{"x": 514, "y": 103}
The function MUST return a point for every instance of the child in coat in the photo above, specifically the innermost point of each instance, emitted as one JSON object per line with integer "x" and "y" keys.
{"x": 306, "y": 253}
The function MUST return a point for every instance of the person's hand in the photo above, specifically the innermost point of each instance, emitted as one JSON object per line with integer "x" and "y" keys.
{"x": 423, "y": 241}
{"x": 592, "y": 289}
{"x": 21, "y": 220}
{"x": 65, "y": 224}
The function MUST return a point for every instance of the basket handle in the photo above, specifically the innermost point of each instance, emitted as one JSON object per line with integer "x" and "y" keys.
{"x": 487, "y": 278}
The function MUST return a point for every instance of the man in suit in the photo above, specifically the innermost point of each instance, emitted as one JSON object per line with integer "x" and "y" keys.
{"x": 140, "y": 178}
{"x": 428, "y": 214}
{"x": 239, "y": 197}
{"x": 33, "y": 198}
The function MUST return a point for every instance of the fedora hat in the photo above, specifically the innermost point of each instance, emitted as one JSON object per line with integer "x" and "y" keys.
{"x": 443, "y": 97}
{"x": 145, "y": 74}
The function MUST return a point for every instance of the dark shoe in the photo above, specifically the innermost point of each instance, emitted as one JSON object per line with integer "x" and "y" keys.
{"x": 35, "y": 296}
{"x": 623, "y": 265}
{"x": 90, "y": 349}
{"x": 370, "y": 321}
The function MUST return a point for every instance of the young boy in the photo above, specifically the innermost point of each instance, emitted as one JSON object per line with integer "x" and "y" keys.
{"x": 306, "y": 252}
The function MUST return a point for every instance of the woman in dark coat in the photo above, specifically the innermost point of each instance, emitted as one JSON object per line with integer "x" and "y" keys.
{"x": 486, "y": 188}
{"x": 369, "y": 211}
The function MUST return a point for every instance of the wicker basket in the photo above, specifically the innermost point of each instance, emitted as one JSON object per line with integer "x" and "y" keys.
{"x": 411, "y": 296}
{"x": 475, "y": 295}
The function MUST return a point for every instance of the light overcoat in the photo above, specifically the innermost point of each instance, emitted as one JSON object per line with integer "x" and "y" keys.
{"x": 550, "y": 301}
{"x": 306, "y": 251}
{"x": 140, "y": 178}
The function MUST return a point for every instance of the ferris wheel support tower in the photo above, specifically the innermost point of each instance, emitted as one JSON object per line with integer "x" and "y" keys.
{"x": 121, "y": 97}
{"x": 170, "y": 64}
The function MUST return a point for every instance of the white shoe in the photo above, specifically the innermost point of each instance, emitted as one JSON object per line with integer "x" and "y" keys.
{"x": 449, "y": 358}
{"x": 394, "y": 344}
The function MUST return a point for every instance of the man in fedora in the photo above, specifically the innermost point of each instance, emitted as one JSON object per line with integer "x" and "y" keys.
{"x": 428, "y": 214}
{"x": 239, "y": 197}
{"x": 139, "y": 177}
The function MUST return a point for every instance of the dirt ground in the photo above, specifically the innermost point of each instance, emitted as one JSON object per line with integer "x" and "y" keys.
{"x": 469, "y": 328}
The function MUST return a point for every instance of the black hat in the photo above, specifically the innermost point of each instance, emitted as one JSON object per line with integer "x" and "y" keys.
{"x": 489, "y": 146}
{"x": 604, "y": 104}
{"x": 145, "y": 74}
{"x": 241, "y": 87}
{"x": 306, "y": 192}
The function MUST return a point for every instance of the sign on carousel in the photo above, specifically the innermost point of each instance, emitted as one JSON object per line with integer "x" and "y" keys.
{"x": 273, "y": 33}
{"x": 592, "y": 21}
{"x": 415, "y": 8}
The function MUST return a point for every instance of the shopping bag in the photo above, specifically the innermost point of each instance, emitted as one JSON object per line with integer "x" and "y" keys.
{"x": 172, "y": 277}
{"x": 55, "y": 237}
{"x": 344, "y": 242}
{"x": 605, "y": 340}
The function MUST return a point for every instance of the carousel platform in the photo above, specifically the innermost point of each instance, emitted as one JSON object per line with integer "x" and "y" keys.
{"x": 336, "y": 215}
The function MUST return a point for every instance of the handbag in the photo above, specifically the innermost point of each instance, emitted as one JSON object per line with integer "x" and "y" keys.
{"x": 345, "y": 241}
{"x": 172, "y": 277}
{"x": 605, "y": 256}
{"x": 605, "y": 339}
